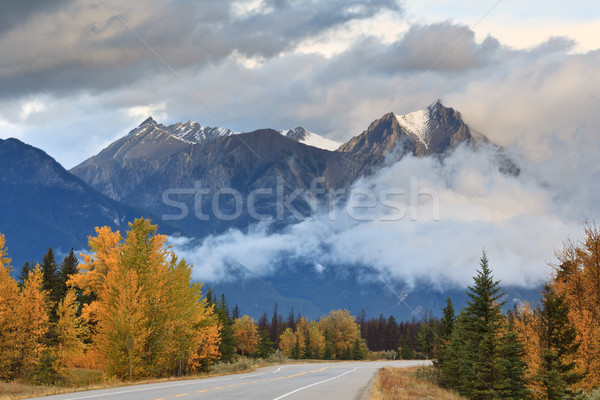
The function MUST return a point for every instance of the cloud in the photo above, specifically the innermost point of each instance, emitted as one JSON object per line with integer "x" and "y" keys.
{"x": 518, "y": 220}
{"x": 16, "y": 13}
{"x": 85, "y": 46}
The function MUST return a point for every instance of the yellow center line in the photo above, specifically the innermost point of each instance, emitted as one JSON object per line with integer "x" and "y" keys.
{"x": 181, "y": 395}
{"x": 218, "y": 388}
{"x": 201, "y": 391}
{"x": 234, "y": 385}
{"x": 301, "y": 373}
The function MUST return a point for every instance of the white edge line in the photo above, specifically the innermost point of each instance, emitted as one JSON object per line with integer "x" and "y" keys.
{"x": 278, "y": 369}
{"x": 314, "y": 384}
{"x": 196, "y": 382}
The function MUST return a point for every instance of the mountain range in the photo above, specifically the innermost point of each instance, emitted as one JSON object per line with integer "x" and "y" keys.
{"x": 196, "y": 181}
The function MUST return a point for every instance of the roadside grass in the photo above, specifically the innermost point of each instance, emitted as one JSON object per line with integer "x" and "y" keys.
{"x": 408, "y": 384}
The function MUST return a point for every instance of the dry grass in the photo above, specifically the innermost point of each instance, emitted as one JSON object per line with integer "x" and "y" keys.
{"x": 402, "y": 384}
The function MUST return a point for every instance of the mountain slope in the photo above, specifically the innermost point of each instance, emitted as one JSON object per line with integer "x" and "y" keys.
{"x": 134, "y": 171}
{"x": 44, "y": 205}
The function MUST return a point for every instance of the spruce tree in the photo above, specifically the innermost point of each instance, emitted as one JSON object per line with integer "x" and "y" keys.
{"x": 50, "y": 278}
{"x": 265, "y": 346}
{"x": 24, "y": 274}
{"x": 559, "y": 340}
{"x": 307, "y": 349}
{"x": 227, "y": 345}
{"x": 446, "y": 327}
{"x": 67, "y": 268}
{"x": 447, "y": 321}
{"x": 329, "y": 351}
{"x": 483, "y": 324}
{"x": 512, "y": 352}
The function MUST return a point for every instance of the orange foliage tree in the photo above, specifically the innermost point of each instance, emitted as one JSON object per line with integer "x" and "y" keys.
{"x": 9, "y": 318}
{"x": 245, "y": 333}
{"x": 142, "y": 291}
{"x": 577, "y": 278}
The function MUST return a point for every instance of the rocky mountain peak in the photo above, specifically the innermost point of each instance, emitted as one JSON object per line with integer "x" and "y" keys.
{"x": 434, "y": 130}
{"x": 299, "y": 134}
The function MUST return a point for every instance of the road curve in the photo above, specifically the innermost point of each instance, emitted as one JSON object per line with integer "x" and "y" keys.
{"x": 316, "y": 381}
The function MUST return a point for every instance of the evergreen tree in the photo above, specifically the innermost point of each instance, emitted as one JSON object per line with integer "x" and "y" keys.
{"x": 67, "y": 268}
{"x": 559, "y": 343}
{"x": 329, "y": 351}
{"x": 447, "y": 321}
{"x": 307, "y": 349}
{"x": 275, "y": 330}
{"x": 227, "y": 345}
{"x": 50, "y": 280}
{"x": 358, "y": 352}
{"x": 512, "y": 354}
{"x": 453, "y": 358}
{"x": 426, "y": 337}
{"x": 265, "y": 346}
{"x": 442, "y": 342}
{"x": 25, "y": 270}
{"x": 235, "y": 313}
{"x": 480, "y": 359}
{"x": 405, "y": 347}
{"x": 296, "y": 350}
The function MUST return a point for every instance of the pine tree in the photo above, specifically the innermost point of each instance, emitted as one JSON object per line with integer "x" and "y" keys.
{"x": 405, "y": 347}
{"x": 447, "y": 321}
{"x": 265, "y": 347}
{"x": 454, "y": 368}
{"x": 442, "y": 341}
{"x": 24, "y": 274}
{"x": 426, "y": 337}
{"x": 296, "y": 350}
{"x": 329, "y": 351}
{"x": 559, "y": 344}
{"x": 50, "y": 279}
{"x": 483, "y": 324}
{"x": 358, "y": 350}
{"x": 67, "y": 268}
{"x": 227, "y": 345}
{"x": 512, "y": 353}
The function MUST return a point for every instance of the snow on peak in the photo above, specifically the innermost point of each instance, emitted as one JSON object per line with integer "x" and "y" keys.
{"x": 303, "y": 136}
{"x": 416, "y": 124}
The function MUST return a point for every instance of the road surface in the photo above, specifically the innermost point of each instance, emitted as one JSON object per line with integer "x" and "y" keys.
{"x": 317, "y": 381}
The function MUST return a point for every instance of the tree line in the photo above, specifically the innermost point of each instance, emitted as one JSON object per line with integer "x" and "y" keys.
{"x": 551, "y": 351}
{"x": 56, "y": 318}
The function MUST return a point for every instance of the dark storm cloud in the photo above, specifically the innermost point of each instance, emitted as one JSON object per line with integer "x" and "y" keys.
{"x": 17, "y": 12}
{"x": 92, "y": 49}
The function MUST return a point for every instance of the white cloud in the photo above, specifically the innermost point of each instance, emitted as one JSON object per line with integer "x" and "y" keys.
{"x": 517, "y": 219}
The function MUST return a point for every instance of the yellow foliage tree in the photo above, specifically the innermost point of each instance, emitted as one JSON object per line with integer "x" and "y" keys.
{"x": 33, "y": 313}
{"x": 245, "y": 333}
{"x": 577, "y": 277}
{"x": 143, "y": 291}
{"x": 71, "y": 331}
{"x": 287, "y": 340}
{"x": 9, "y": 316}
{"x": 342, "y": 328}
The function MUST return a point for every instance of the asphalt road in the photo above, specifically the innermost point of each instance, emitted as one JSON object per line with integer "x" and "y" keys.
{"x": 317, "y": 381}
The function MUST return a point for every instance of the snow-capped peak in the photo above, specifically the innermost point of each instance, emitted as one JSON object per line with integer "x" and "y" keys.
{"x": 416, "y": 124}
{"x": 303, "y": 136}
